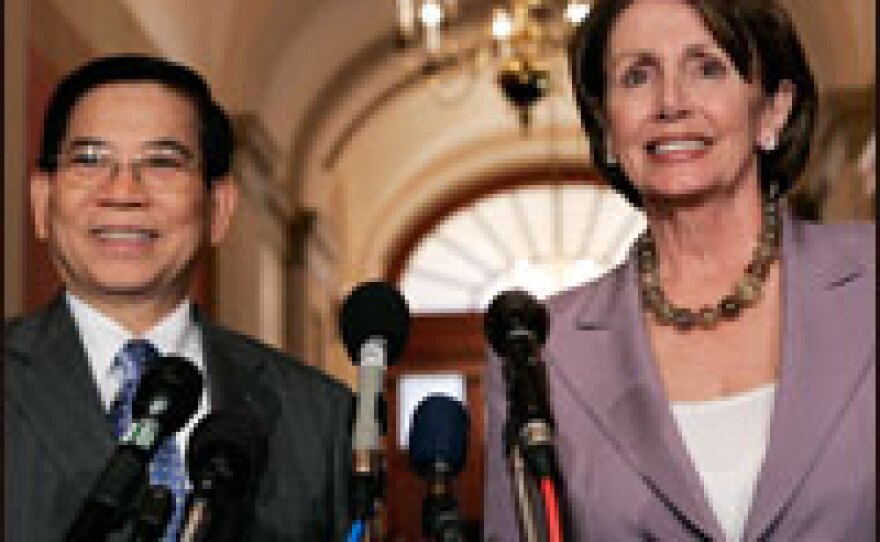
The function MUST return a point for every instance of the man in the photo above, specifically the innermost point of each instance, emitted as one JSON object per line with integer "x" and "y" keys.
{"x": 132, "y": 186}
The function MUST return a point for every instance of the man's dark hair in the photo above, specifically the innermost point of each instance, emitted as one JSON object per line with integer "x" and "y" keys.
{"x": 760, "y": 39}
{"x": 214, "y": 126}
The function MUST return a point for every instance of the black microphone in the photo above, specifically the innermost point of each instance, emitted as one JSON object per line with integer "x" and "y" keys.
{"x": 437, "y": 453}
{"x": 516, "y": 328}
{"x": 167, "y": 396}
{"x": 374, "y": 325}
{"x": 226, "y": 455}
{"x": 153, "y": 513}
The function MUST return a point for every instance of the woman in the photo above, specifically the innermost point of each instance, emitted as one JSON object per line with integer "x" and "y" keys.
{"x": 721, "y": 383}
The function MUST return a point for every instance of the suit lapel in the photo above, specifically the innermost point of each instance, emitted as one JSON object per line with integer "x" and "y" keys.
{"x": 610, "y": 371}
{"x": 234, "y": 372}
{"x": 234, "y": 375}
{"x": 61, "y": 395}
{"x": 825, "y": 355}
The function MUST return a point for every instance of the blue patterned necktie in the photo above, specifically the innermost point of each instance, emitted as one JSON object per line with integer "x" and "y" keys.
{"x": 166, "y": 468}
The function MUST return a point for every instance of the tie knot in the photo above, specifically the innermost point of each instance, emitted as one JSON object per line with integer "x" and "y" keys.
{"x": 135, "y": 354}
{"x": 140, "y": 349}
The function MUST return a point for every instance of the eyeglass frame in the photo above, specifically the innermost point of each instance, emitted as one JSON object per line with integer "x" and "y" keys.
{"x": 109, "y": 156}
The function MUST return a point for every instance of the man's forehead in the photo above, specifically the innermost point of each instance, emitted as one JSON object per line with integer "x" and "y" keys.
{"x": 132, "y": 87}
{"x": 130, "y": 107}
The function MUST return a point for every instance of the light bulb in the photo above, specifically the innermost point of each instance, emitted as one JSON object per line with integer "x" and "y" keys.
{"x": 431, "y": 14}
{"x": 575, "y": 12}
{"x": 502, "y": 24}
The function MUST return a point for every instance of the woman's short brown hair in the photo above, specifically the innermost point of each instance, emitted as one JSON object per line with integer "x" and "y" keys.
{"x": 760, "y": 39}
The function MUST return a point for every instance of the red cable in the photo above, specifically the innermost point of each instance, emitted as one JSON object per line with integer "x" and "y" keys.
{"x": 551, "y": 506}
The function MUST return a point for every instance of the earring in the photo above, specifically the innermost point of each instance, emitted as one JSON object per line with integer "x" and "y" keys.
{"x": 768, "y": 144}
{"x": 610, "y": 158}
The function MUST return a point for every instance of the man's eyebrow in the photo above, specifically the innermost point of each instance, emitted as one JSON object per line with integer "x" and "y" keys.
{"x": 86, "y": 142}
{"x": 170, "y": 144}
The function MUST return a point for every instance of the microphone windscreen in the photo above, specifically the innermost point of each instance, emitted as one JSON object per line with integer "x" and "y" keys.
{"x": 511, "y": 314}
{"x": 178, "y": 382}
{"x": 438, "y": 435}
{"x": 374, "y": 309}
{"x": 228, "y": 448}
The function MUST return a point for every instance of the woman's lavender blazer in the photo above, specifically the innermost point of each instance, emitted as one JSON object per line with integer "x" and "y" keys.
{"x": 626, "y": 471}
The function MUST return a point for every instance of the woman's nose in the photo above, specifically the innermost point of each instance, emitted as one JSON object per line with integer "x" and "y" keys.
{"x": 671, "y": 103}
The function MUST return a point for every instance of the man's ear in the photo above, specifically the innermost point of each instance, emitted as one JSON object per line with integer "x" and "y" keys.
{"x": 222, "y": 199}
{"x": 40, "y": 189}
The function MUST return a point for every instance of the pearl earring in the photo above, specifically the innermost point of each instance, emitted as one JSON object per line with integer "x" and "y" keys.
{"x": 610, "y": 158}
{"x": 768, "y": 144}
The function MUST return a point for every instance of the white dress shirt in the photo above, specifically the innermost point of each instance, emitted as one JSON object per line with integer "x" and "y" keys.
{"x": 103, "y": 338}
{"x": 727, "y": 439}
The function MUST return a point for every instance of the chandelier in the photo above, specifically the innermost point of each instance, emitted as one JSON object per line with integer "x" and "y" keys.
{"x": 518, "y": 37}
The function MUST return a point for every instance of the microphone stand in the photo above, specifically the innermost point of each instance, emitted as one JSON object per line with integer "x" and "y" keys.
{"x": 196, "y": 517}
{"x": 530, "y": 445}
{"x": 523, "y": 497}
{"x": 440, "y": 519}
{"x": 366, "y": 487}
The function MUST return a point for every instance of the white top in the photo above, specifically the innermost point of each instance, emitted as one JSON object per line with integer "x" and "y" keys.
{"x": 103, "y": 338}
{"x": 726, "y": 439}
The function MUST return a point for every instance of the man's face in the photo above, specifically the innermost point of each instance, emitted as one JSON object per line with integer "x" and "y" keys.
{"x": 127, "y": 211}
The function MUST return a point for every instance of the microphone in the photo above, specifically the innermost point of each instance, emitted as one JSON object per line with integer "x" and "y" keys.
{"x": 226, "y": 454}
{"x": 154, "y": 512}
{"x": 167, "y": 396}
{"x": 515, "y": 321}
{"x": 437, "y": 453}
{"x": 374, "y": 325}
{"x": 515, "y": 326}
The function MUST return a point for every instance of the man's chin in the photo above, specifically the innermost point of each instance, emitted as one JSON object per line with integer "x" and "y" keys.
{"x": 131, "y": 290}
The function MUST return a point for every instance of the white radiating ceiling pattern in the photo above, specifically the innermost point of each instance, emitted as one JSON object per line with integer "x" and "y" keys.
{"x": 542, "y": 238}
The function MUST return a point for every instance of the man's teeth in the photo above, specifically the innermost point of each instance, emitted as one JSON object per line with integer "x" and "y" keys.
{"x": 126, "y": 235}
{"x": 677, "y": 146}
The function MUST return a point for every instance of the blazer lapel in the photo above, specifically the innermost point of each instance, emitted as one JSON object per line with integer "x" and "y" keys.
{"x": 61, "y": 395}
{"x": 615, "y": 378}
{"x": 825, "y": 354}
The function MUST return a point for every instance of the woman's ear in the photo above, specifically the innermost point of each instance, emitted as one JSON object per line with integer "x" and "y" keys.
{"x": 776, "y": 110}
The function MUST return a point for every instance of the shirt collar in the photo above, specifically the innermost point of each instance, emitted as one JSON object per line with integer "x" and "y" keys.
{"x": 104, "y": 337}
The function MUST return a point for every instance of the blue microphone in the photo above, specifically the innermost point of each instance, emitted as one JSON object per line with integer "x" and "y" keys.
{"x": 437, "y": 453}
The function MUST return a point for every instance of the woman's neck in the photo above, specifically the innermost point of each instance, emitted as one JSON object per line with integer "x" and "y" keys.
{"x": 710, "y": 238}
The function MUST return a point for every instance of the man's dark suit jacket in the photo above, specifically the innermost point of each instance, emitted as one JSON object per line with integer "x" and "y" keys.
{"x": 58, "y": 437}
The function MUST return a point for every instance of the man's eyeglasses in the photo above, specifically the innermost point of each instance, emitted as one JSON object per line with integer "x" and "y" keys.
{"x": 162, "y": 168}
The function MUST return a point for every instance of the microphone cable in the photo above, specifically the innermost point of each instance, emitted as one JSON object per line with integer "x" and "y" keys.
{"x": 551, "y": 509}
{"x": 357, "y": 531}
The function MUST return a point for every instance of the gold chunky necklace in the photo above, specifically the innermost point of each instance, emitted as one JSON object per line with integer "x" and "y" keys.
{"x": 746, "y": 291}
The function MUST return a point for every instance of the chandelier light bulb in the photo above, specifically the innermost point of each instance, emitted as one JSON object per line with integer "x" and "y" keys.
{"x": 431, "y": 14}
{"x": 502, "y": 24}
{"x": 406, "y": 17}
{"x": 575, "y": 12}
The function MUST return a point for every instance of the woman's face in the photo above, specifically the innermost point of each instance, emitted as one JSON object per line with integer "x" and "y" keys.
{"x": 682, "y": 121}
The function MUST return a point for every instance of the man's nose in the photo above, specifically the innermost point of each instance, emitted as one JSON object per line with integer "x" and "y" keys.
{"x": 124, "y": 187}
